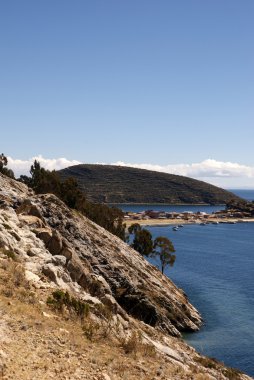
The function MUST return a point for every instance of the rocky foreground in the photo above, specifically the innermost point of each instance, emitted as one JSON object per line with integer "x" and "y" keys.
{"x": 133, "y": 314}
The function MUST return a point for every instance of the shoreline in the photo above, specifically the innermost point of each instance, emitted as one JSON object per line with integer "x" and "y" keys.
{"x": 170, "y": 222}
{"x": 165, "y": 204}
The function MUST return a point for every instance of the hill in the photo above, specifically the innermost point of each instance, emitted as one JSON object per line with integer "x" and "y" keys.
{"x": 118, "y": 184}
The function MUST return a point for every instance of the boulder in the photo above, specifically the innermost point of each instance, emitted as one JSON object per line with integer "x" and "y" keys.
{"x": 45, "y": 234}
{"x": 59, "y": 260}
{"x": 67, "y": 253}
{"x": 29, "y": 208}
{"x": 31, "y": 220}
{"x": 75, "y": 269}
{"x": 55, "y": 243}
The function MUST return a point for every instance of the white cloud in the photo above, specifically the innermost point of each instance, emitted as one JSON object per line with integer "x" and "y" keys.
{"x": 224, "y": 174}
{"x": 23, "y": 166}
{"x": 206, "y": 168}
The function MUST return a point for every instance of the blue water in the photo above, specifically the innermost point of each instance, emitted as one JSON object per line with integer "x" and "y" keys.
{"x": 215, "y": 267}
{"x": 246, "y": 194}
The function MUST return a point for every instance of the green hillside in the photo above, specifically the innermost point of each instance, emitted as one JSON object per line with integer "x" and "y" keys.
{"x": 118, "y": 184}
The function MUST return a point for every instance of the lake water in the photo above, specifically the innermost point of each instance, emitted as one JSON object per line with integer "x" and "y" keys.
{"x": 215, "y": 267}
{"x": 245, "y": 194}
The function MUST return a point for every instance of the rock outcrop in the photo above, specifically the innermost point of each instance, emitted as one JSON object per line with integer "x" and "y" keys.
{"x": 72, "y": 249}
{"x": 60, "y": 248}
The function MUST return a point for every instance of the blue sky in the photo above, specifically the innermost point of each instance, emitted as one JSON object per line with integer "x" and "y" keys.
{"x": 165, "y": 83}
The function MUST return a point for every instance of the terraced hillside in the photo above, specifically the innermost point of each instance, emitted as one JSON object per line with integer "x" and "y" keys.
{"x": 117, "y": 184}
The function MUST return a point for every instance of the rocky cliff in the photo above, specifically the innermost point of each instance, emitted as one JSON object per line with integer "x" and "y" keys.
{"x": 60, "y": 248}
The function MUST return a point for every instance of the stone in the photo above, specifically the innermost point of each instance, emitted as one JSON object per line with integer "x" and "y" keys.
{"x": 110, "y": 302}
{"x": 59, "y": 260}
{"x": 31, "y": 220}
{"x": 46, "y": 315}
{"x": 45, "y": 234}
{"x": 75, "y": 269}
{"x": 50, "y": 271}
{"x": 106, "y": 376}
{"x": 67, "y": 252}
{"x": 55, "y": 243}
{"x": 32, "y": 277}
{"x": 28, "y": 207}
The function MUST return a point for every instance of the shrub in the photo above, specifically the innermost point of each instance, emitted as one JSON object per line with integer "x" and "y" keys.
{"x": 61, "y": 300}
{"x": 6, "y": 226}
{"x": 132, "y": 343}
{"x": 9, "y": 254}
{"x": 90, "y": 329}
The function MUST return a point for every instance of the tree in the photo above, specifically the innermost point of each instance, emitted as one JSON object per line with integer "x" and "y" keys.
{"x": 45, "y": 181}
{"x": 134, "y": 228}
{"x": 142, "y": 241}
{"x": 163, "y": 247}
{"x": 3, "y": 169}
{"x": 3, "y": 161}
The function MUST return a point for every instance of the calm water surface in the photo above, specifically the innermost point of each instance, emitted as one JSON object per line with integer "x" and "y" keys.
{"x": 246, "y": 194}
{"x": 215, "y": 267}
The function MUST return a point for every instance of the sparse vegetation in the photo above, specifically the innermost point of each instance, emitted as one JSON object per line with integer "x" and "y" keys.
{"x": 6, "y": 226}
{"x": 7, "y": 252}
{"x": 247, "y": 208}
{"x": 3, "y": 166}
{"x": 90, "y": 329}
{"x": 13, "y": 280}
{"x": 134, "y": 344}
{"x": 61, "y": 300}
{"x": 211, "y": 363}
{"x": 45, "y": 181}
{"x": 131, "y": 344}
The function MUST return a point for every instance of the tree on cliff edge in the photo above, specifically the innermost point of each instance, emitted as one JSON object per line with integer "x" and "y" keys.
{"x": 163, "y": 247}
{"x": 142, "y": 241}
{"x": 3, "y": 167}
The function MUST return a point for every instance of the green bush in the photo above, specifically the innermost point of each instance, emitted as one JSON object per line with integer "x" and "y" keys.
{"x": 9, "y": 254}
{"x": 61, "y": 300}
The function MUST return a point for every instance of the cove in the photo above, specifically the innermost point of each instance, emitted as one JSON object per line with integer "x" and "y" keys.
{"x": 215, "y": 267}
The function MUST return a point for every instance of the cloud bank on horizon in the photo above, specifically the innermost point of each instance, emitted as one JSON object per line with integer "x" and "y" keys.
{"x": 23, "y": 166}
{"x": 216, "y": 172}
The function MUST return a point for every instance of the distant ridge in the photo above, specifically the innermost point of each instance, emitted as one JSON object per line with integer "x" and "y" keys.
{"x": 120, "y": 184}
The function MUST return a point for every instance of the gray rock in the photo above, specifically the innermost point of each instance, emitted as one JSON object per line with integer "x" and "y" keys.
{"x": 59, "y": 260}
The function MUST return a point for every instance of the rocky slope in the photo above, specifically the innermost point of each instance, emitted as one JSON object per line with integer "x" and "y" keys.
{"x": 46, "y": 246}
{"x": 117, "y": 184}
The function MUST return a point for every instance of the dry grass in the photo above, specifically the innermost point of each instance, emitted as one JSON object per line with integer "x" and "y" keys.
{"x": 54, "y": 343}
{"x": 134, "y": 345}
{"x": 13, "y": 282}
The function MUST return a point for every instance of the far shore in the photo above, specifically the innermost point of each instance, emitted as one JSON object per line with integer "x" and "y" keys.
{"x": 166, "y": 204}
{"x": 169, "y": 222}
